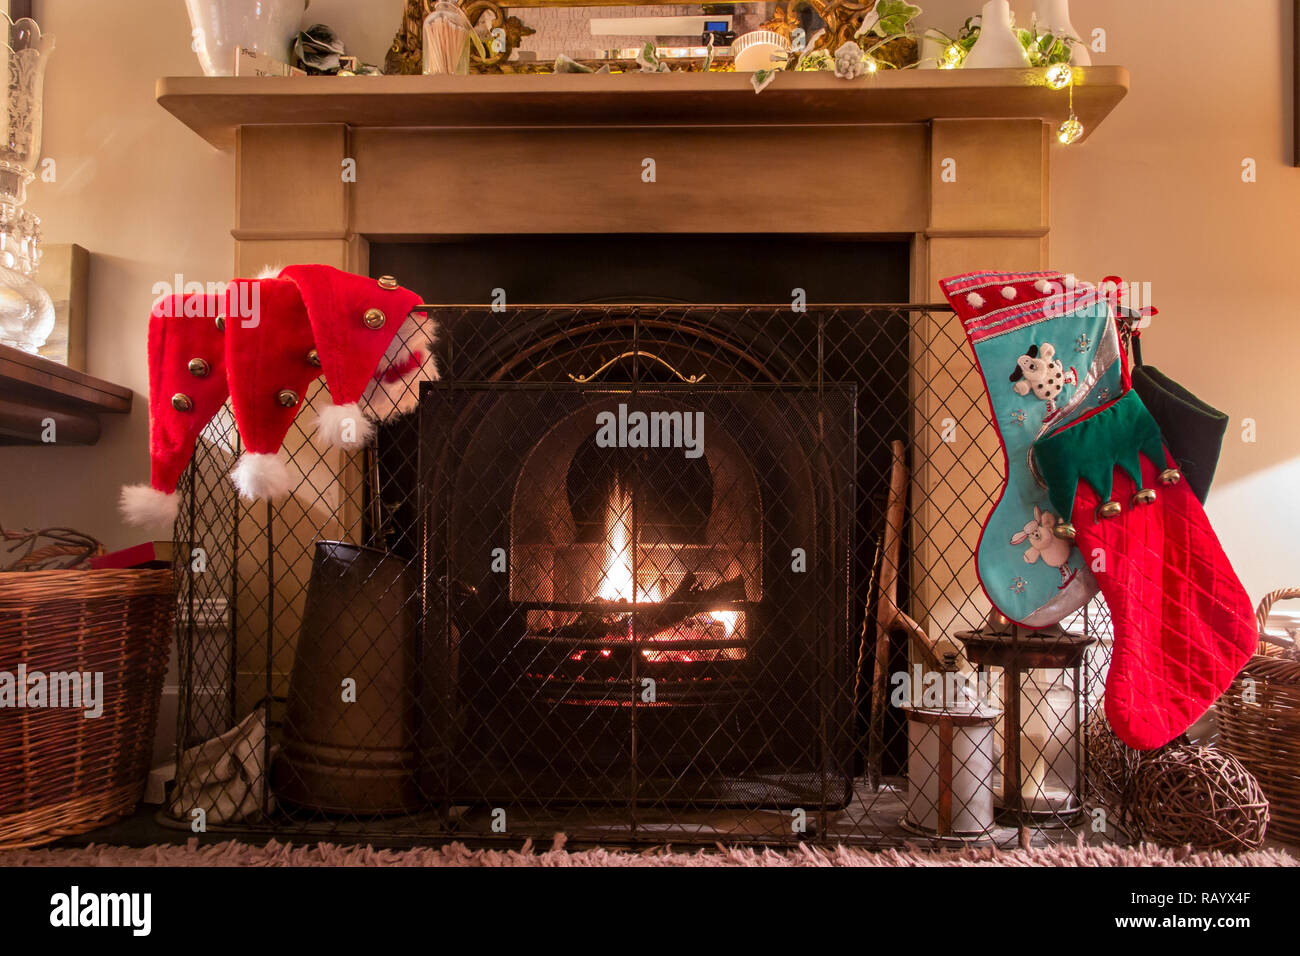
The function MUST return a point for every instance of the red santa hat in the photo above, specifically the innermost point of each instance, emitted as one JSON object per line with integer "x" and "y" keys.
{"x": 187, "y": 387}
{"x": 354, "y": 321}
{"x": 271, "y": 361}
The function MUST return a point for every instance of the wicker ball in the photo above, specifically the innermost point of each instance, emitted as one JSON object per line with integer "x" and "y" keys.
{"x": 1111, "y": 762}
{"x": 1199, "y": 796}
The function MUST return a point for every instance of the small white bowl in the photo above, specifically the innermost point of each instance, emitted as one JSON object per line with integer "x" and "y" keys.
{"x": 754, "y": 50}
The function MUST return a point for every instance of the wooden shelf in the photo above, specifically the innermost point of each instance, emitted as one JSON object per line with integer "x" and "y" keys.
{"x": 33, "y": 389}
{"x": 215, "y": 107}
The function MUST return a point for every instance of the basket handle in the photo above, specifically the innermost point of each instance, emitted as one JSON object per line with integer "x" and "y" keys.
{"x": 1272, "y": 597}
{"x": 1261, "y": 617}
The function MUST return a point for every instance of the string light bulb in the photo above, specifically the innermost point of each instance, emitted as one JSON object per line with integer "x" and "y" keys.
{"x": 952, "y": 57}
{"x": 1071, "y": 130}
{"x": 871, "y": 65}
{"x": 1059, "y": 76}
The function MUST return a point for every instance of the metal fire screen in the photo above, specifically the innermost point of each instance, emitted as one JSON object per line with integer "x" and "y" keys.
{"x": 541, "y": 619}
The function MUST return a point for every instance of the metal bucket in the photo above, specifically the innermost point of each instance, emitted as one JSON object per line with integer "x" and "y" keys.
{"x": 349, "y": 734}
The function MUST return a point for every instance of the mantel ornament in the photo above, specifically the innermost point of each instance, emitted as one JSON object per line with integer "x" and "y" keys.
{"x": 406, "y": 54}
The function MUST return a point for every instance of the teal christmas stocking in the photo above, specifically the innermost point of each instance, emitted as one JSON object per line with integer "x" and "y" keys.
{"x": 1048, "y": 349}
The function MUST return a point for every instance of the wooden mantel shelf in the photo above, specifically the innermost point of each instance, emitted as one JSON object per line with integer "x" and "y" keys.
{"x": 33, "y": 389}
{"x": 215, "y": 107}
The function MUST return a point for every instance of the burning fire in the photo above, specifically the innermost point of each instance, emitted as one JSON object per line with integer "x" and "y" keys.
{"x": 616, "y": 582}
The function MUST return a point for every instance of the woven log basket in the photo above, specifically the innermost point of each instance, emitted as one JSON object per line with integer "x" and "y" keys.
{"x": 62, "y": 773}
{"x": 1265, "y": 735}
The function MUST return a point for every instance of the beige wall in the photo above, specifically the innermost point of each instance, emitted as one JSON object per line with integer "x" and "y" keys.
{"x": 1155, "y": 195}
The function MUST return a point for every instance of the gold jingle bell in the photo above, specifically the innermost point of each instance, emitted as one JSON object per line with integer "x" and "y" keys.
{"x": 1065, "y": 531}
{"x": 1145, "y": 496}
{"x": 1171, "y": 476}
{"x": 199, "y": 368}
{"x": 387, "y": 282}
{"x": 374, "y": 319}
{"x": 1109, "y": 510}
{"x": 182, "y": 402}
{"x": 287, "y": 398}
{"x": 313, "y": 358}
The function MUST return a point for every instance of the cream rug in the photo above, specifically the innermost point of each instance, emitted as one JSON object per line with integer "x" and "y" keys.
{"x": 456, "y": 854}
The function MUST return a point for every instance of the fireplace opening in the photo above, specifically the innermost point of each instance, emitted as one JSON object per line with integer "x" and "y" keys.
{"x": 647, "y": 636}
{"x": 636, "y": 562}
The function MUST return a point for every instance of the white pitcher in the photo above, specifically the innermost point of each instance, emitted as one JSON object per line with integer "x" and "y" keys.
{"x": 219, "y": 26}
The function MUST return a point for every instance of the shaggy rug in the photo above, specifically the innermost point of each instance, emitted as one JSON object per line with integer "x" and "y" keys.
{"x": 232, "y": 853}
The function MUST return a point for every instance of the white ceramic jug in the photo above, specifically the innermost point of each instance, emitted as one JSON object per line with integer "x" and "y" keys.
{"x": 219, "y": 26}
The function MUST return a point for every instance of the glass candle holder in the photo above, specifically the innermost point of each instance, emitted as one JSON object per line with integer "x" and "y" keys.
{"x": 446, "y": 39}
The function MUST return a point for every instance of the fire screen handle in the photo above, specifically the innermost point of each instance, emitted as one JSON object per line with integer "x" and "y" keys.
{"x": 688, "y": 379}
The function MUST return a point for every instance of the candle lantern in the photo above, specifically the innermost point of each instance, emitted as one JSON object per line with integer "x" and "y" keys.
{"x": 950, "y": 770}
{"x": 1042, "y": 686}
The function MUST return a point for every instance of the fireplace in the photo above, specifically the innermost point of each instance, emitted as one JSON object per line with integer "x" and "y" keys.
{"x": 508, "y": 520}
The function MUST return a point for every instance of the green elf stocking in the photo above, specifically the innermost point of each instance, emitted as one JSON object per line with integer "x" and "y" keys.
{"x": 1184, "y": 626}
{"x": 1048, "y": 350}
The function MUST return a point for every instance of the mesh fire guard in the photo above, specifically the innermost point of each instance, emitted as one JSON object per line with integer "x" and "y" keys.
{"x": 624, "y": 574}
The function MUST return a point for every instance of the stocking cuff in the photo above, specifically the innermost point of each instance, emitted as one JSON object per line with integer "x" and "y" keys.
{"x": 1091, "y": 449}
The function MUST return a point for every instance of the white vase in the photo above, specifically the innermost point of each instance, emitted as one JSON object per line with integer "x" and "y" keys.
{"x": 1053, "y": 17}
{"x": 998, "y": 45}
{"x": 219, "y": 26}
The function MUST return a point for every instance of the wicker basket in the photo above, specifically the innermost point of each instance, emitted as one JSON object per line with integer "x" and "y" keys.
{"x": 1265, "y": 735}
{"x": 62, "y": 773}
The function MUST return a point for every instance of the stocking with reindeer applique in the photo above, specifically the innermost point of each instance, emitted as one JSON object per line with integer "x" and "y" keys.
{"x": 1048, "y": 350}
{"x": 1183, "y": 624}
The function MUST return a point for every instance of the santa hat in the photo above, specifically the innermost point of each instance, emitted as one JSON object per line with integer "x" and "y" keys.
{"x": 271, "y": 361}
{"x": 354, "y": 320}
{"x": 187, "y": 387}
{"x": 394, "y": 388}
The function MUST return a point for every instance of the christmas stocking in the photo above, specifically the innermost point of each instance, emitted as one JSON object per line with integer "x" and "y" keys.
{"x": 1183, "y": 624}
{"x": 1048, "y": 350}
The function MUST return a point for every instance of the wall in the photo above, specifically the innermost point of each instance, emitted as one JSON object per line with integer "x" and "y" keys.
{"x": 1156, "y": 195}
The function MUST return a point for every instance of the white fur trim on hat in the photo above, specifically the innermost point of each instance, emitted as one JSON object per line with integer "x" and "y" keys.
{"x": 344, "y": 426}
{"x": 258, "y": 476}
{"x": 388, "y": 401}
{"x": 143, "y": 505}
{"x": 269, "y": 272}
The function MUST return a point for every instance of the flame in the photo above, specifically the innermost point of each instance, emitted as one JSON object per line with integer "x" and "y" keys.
{"x": 616, "y": 578}
{"x": 727, "y": 619}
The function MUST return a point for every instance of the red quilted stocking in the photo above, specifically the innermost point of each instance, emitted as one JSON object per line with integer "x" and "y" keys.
{"x": 1184, "y": 626}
